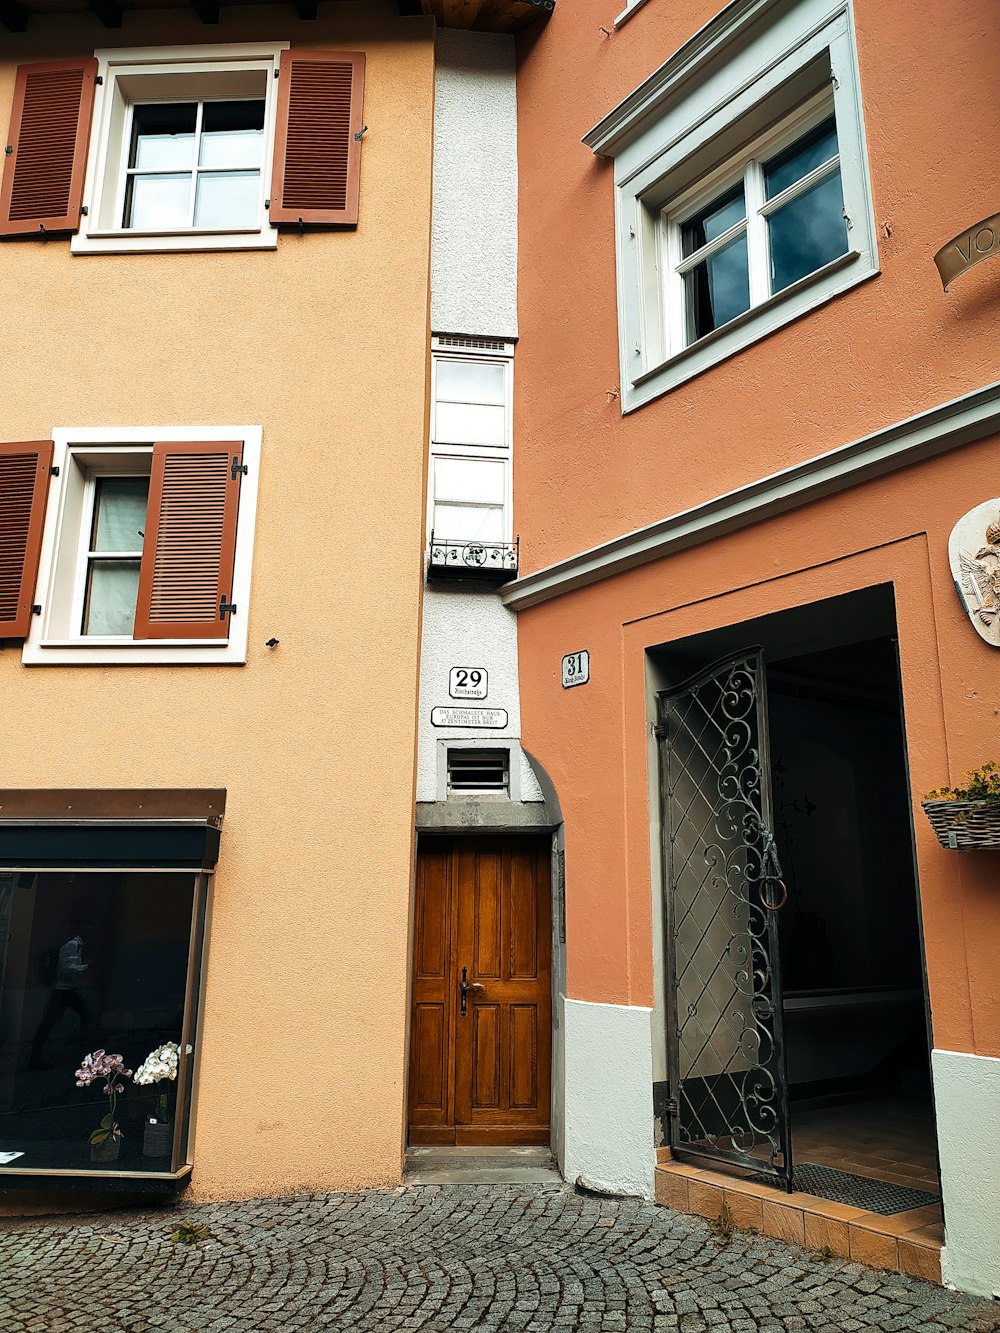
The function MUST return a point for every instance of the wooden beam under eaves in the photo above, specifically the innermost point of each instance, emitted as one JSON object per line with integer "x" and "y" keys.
{"x": 207, "y": 10}
{"x": 12, "y": 16}
{"x": 108, "y": 11}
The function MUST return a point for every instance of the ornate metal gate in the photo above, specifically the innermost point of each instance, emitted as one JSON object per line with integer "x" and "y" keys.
{"x": 728, "y": 1089}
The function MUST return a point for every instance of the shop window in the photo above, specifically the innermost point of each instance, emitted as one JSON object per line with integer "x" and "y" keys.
{"x": 97, "y": 961}
{"x": 743, "y": 199}
{"x": 145, "y": 547}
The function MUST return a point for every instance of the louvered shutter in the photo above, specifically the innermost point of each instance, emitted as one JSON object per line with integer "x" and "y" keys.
{"x": 46, "y": 151}
{"x": 189, "y": 548}
{"x": 24, "y": 487}
{"x": 317, "y": 159}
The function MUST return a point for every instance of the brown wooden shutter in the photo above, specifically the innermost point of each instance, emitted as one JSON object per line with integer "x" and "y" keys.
{"x": 317, "y": 159}
{"x": 186, "y": 576}
{"x": 47, "y": 147}
{"x": 24, "y": 488}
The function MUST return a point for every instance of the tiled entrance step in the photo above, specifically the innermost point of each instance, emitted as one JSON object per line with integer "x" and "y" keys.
{"x": 904, "y": 1243}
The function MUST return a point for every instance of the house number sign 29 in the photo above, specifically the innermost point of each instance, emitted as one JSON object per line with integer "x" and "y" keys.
{"x": 467, "y": 682}
{"x": 575, "y": 669}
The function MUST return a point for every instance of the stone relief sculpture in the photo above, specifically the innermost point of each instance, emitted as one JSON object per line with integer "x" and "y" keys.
{"x": 974, "y": 552}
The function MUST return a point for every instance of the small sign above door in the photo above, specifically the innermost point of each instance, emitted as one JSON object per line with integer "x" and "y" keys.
{"x": 468, "y": 717}
{"x": 575, "y": 669}
{"x": 468, "y": 682}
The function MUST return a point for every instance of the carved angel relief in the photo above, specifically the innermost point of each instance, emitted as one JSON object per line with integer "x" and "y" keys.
{"x": 974, "y": 551}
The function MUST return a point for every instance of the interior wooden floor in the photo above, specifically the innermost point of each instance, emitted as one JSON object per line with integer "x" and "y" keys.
{"x": 887, "y": 1138}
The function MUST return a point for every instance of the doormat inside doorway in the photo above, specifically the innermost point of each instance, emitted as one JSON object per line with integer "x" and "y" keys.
{"x": 875, "y": 1196}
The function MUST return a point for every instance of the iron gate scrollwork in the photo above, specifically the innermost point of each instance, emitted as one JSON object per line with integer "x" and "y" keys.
{"x": 723, "y": 890}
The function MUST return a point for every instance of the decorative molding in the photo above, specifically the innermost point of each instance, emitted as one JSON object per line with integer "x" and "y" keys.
{"x": 955, "y": 423}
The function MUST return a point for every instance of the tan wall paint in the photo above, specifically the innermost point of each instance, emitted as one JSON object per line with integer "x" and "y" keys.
{"x": 324, "y": 343}
{"x": 593, "y": 740}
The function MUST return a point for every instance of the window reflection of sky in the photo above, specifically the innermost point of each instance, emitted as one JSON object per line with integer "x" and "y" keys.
{"x": 719, "y": 216}
{"x": 719, "y": 289}
{"x": 795, "y": 162}
{"x": 807, "y": 233}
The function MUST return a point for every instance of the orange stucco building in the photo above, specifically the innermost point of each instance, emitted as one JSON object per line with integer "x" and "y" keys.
{"x": 749, "y": 421}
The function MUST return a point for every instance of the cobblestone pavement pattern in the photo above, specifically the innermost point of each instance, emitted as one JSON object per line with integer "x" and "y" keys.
{"x": 468, "y": 1257}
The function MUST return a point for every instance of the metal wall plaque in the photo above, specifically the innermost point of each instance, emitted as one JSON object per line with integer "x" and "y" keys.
{"x": 969, "y": 248}
{"x": 974, "y": 553}
{"x": 468, "y": 717}
{"x": 576, "y": 669}
{"x": 468, "y": 682}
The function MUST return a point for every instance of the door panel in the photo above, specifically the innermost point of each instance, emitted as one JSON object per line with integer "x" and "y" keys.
{"x": 728, "y": 1086}
{"x": 490, "y": 1080}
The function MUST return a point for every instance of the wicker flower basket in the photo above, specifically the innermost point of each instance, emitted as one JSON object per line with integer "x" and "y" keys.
{"x": 965, "y": 825}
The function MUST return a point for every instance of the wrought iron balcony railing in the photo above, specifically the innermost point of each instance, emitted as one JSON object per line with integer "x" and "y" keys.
{"x": 482, "y": 562}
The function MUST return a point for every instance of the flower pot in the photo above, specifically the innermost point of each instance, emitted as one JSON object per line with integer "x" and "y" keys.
{"x": 157, "y": 1138}
{"x": 965, "y": 825}
{"x": 106, "y": 1151}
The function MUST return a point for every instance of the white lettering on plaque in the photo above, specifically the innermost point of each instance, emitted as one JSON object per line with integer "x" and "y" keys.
{"x": 468, "y": 717}
{"x": 468, "y": 682}
{"x": 575, "y": 669}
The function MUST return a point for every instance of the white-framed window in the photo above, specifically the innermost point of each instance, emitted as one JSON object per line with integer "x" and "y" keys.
{"x": 470, "y": 492}
{"x": 97, "y": 543}
{"x": 181, "y": 150}
{"x": 742, "y": 191}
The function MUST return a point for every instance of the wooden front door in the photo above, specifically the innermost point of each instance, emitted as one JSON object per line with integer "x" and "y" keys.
{"x": 480, "y": 1053}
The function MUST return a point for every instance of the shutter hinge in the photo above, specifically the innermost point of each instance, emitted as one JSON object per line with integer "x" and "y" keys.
{"x": 671, "y": 1106}
{"x": 9, "y": 149}
{"x": 54, "y": 470}
{"x": 237, "y": 468}
{"x": 276, "y": 72}
{"x": 84, "y": 211}
{"x": 226, "y": 608}
{"x": 267, "y": 203}
{"x": 36, "y": 609}
{"x": 660, "y": 730}
{"x": 361, "y": 134}
{"x": 99, "y": 79}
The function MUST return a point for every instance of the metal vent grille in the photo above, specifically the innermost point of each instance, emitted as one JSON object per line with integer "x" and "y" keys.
{"x": 478, "y": 770}
{"x": 471, "y": 344}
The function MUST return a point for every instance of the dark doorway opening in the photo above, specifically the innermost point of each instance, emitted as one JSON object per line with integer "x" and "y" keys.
{"x": 852, "y": 994}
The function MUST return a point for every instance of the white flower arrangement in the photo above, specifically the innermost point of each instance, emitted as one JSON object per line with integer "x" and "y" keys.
{"x": 159, "y": 1064}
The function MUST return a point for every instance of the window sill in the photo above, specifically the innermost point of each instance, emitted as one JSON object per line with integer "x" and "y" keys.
{"x": 799, "y": 299}
{"x": 131, "y": 652}
{"x": 626, "y": 14}
{"x": 105, "y": 1182}
{"x": 159, "y": 242}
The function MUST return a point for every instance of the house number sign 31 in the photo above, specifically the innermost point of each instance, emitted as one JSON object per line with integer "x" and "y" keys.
{"x": 575, "y": 669}
{"x": 467, "y": 682}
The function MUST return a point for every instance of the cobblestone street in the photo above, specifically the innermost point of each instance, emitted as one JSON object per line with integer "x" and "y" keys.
{"x": 445, "y": 1257}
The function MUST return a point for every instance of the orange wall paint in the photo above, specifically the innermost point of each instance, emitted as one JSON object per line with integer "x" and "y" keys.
{"x": 593, "y": 740}
{"x": 881, "y": 352}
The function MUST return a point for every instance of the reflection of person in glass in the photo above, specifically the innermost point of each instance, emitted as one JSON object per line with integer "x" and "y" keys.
{"x": 65, "y": 994}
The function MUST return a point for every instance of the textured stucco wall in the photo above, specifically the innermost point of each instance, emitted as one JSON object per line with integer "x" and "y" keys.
{"x": 609, "y": 1096}
{"x": 474, "y": 262}
{"x": 301, "y": 1062}
{"x": 967, "y": 1100}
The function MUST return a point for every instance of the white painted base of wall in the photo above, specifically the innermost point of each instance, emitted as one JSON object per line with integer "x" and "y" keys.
{"x": 609, "y": 1097}
{"x": 967, "y": 1098}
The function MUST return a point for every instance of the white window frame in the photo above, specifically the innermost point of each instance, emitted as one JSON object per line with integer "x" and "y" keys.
{"x": 736, "y": 82}
{"x": 628, "y": 11}
{"x": 474, "y": 452}
{"x": 101, "y": 231}
{"x": 55, "y": 637}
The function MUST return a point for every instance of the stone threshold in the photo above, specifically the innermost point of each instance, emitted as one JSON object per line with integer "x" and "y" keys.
{"x": 904, "y": 1243}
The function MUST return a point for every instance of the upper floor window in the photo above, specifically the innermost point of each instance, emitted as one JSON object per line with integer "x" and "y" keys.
{"x": 136, "y": 544}
{"x": 184, "y": 148}
{"x": 470, "y": 464}
{"x": 743, "y": 193}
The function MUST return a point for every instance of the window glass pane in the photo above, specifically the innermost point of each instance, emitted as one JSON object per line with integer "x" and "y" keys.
{"x": 468, "y": 479}
{"x": 120, "y": 513}
{"x": 469, "y": 423}
{"x": 818, "y": 146}
{"x": 807, "y": 233}
{"x": 232, "y": 134}
{"x": 158, "y": 203}
{"x": 712, "y": 221}
{"x": 112, "y": 589}
{"x": 718, "y": 289}
{"x": 470, "y": 382}
{"x": 89, "y": 961}
{"x": 227, "y": 199}
{"x": 464, "y": 523}
{"x": 163, "y": 136}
